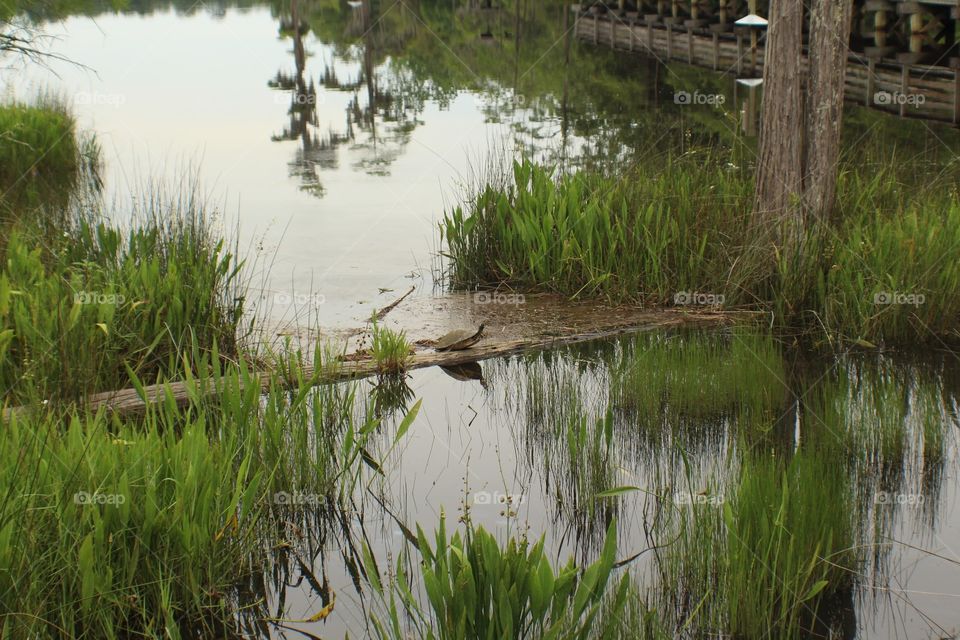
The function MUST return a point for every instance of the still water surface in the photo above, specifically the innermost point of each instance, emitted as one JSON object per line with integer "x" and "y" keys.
{"x": 336, "y": 166}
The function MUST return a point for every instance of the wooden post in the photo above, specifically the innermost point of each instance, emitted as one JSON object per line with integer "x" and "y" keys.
{"x": 956, "y": 96}
{"x": 689, "y": 45}
{"x": 596, "y": 29}
{"x": 881, "y": 21}
{"x": 904, "y": 88}
{"x": 723, "y": 17}
{"x": 661, "y": 9}
{"x": 716, "y": 51}
{"x": 871, "y": 82}
{"x": 916, "y": 33}
{"x": 880, "y": 29}
{"x": 669, "y": 41}
{"x": 739, "y": 54}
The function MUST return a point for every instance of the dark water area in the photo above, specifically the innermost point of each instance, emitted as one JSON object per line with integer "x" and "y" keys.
{"x": 336, "y": 135}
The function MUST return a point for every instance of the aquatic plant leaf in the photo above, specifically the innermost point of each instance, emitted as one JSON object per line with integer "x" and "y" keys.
{"x": 407, "y": 421}
{"x": 815, "y": 589}
{"x": 618, "y": 491}
{"x": 325, "y": 611}
{"x": 371, "y": 569}
{"x": 87, "y": 575}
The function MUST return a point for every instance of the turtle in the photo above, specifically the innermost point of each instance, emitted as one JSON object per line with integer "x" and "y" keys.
{"x": 458, "y": 339}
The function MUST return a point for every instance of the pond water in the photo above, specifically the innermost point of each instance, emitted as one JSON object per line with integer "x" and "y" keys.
{"x": 335, "y": 149}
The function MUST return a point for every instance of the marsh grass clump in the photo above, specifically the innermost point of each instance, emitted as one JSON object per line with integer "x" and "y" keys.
{"x": 477, "y": 588}
{"x": 146, "y": 528}
{"x": 890, "y": 273}
{"x": 680, "y": 232}
{"x": 79, "y": 313}
{"x": 585, "y": 234}
{"x": 40, "y": 155}
{"x": 390, "y": 349}
{"x": 85, "y": 304}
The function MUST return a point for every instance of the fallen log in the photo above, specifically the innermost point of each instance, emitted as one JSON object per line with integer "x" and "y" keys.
{"x": 128, "y": 402}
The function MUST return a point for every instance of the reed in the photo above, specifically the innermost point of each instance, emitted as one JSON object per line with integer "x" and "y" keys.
{"x": 40, "y": 155}
{"x": 390, "y": 349}
{"x": 760, "y": 558}
{"x": 114, "y": 529}
{"x": 80, "y": 312}
{"x": 677, "y": 232}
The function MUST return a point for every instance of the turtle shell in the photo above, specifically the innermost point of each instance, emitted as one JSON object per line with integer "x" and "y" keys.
{"x": 458, "y": 339}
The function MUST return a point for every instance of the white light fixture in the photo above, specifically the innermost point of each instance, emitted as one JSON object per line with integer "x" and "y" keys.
{"x": 752, "y": 21}
{"x": 750, "y": 82}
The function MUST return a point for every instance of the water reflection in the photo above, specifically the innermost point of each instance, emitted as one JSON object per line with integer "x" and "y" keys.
{"x": 564, "y": 102}
{"x": 681, "y": 416}
{"x": 303, "y": 122}
{"x": 719, "y": 433}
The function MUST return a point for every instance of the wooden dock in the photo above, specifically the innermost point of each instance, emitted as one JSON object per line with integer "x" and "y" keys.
{"x": 904, "y": 57}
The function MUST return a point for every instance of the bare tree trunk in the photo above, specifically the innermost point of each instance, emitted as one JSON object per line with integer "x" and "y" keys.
{"x": 829, "y": 44}
{"x": 780, "y": 163}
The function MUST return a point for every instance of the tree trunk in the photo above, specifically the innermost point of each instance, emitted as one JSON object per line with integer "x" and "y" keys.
{"x": 780, "y": 163}
{"x": 829, "y": 44}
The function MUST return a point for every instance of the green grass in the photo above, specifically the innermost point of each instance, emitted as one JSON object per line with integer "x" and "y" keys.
{"x": 86, "y": 305}
{"x": 390, "y": 349}
{"x": 80, "y": 312}
{"x": 144, "y": 526}
{"x": 40, "y": 155}
{"x": 664, "y": 231}
{"x": 147, "y": 528}
{"x": 476, "y": 588}
{"x": 587, "y": 234}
